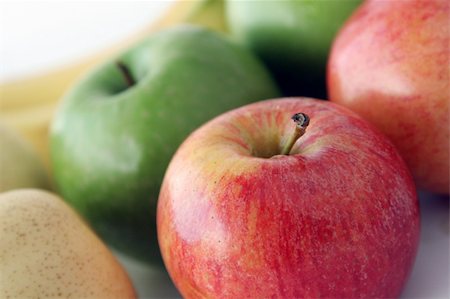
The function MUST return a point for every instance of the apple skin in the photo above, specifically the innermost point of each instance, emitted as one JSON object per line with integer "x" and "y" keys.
{"x": 111, "y": 144}
{"x": 390, "y": 64}
{"x": 292, "y": 37}
{"x": 338, "y": 218}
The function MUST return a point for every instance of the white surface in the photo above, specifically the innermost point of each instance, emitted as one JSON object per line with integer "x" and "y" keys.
{"x": 36, "y": 36}
{"x": 40, "y": 35}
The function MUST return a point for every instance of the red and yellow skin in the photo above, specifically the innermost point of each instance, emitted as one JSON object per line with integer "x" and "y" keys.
{"x": 390, "y": 64}
{"x": 337, "y": 217}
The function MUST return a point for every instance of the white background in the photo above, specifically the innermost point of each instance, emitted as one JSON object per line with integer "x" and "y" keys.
{"x": 37, "y": 36}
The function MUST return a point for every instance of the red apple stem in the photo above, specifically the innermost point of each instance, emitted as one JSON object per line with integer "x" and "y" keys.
{"x": 302, "y": 121}
{"x": 126, "y": 73}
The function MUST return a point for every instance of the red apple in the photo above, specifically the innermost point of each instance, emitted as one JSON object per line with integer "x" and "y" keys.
{"x": 390, "y": 64}
{"x": 338, "y": 217}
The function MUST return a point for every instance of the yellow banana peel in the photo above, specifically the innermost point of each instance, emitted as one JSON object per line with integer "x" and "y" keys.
{"x": 28, "y": 104}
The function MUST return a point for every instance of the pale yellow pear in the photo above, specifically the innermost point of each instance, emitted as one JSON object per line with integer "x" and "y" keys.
{"x": 47, "y": 251}
{"x": 20, "y": 166}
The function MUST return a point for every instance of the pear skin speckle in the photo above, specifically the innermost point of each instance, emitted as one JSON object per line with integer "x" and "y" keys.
{"x": 48, "y": 251}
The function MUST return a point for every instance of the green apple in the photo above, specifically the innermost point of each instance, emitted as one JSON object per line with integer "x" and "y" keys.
{"x": 116, "y": 131}
{"x": 292, "y": 37}
{"x": 20, "y": 166}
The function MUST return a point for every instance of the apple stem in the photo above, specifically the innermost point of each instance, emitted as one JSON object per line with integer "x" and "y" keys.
{"x": 302, "y": 121}
{"x": 126, "y": 73}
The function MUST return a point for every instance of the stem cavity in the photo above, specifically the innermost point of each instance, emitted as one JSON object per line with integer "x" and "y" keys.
{"x": 128, "y": 77}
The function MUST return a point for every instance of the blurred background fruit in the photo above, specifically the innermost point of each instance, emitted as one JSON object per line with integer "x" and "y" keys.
{"x": 390, "y": 64}
{"x": 20, "y": 166}
{"x": 292, "y": 37}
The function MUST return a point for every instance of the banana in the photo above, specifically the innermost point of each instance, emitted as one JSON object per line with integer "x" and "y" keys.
{"x": 29, "y": 104}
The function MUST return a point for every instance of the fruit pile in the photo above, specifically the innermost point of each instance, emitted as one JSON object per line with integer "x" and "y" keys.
{"x": 252, "y": 150}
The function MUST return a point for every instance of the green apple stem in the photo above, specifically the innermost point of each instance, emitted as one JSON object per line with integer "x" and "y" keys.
{"x": 302, "y": 121}
{"x": 126, "y": 73}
